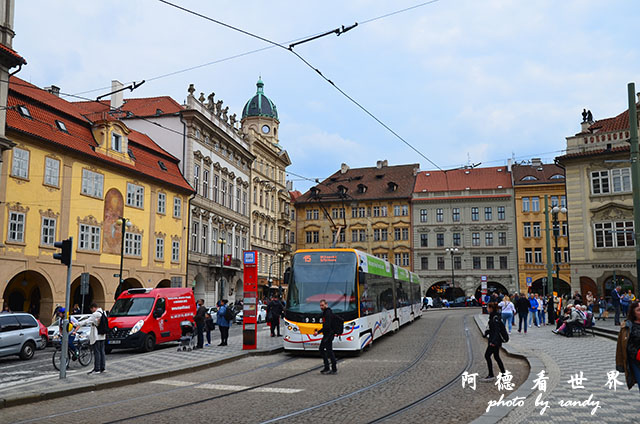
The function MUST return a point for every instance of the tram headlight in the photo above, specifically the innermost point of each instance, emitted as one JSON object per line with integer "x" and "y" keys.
{"x": 292, "y": 327}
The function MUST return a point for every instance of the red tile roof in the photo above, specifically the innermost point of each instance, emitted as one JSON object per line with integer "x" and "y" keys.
{"x": 144, "y": 107}
{"x": 45, "y": 108}
{"x": 14, "y": 58}
{"x": 376, "y": 182}
{"x": 618, "y": 149}
{"x": 461, "y": 179}
{"x": 294, "y": 195}
{"x": 541, "y": 173}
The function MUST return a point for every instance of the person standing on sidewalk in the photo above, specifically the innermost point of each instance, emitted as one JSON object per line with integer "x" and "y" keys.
{"x": 508, "y": 310}
{"x": 209, "y": 326}
{"x": 199, "y": 320}
{"x": 628, "y": 348}
{"x": 497, "y": 333}
{"x": 541, "y": 303}
{"x": 274, "y": 311}
{"x": 522, "y": 306}
{"x": 533, "y": 311}
{"x": 615, "y": 301}
{"x": 223, "y": 322}
{"x": 96, "y": 339}
{"x": 328, "y": 333}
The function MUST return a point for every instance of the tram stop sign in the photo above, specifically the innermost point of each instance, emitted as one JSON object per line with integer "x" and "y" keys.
{"x": 250, "y": 308}
{"x": 529, "y": 281}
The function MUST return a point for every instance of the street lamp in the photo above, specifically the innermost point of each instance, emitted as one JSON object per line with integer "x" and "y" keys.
{"x": 222, "y": 242}
{"x": 270, "y": 280}
{"x": 556, "y": 230}
{"x": 452, "y": 251}
{"x": 126, "y": 223}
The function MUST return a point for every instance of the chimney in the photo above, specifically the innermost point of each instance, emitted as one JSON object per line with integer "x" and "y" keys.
{"x": 344, "y": 168}
{"x": 55, "y": 90}
{"x": 116, "y": 98}
{"x": 289, "y": 185}
{"x": 638, "y": 96}
{"x": 509, "y": 164}
{"x": 379, "y": 164}
{"x": 536, "y": 162}
{"x": 584, "y": 126}
{"x": 385, "y": 163}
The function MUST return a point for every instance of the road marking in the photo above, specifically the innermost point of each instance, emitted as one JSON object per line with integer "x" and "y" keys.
{"x": 227, "y": 387}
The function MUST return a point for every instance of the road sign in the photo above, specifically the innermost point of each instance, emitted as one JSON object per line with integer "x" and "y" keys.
{"x": 529, "y": 279}
{"x": 528, "y": 283}
{"x": 116, "y": 275}
{"x": 84, "y": 283}
{"x": 483, "y": 278}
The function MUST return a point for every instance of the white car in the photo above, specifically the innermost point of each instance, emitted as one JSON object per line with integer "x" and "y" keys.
{"x": 262, "y": 314}
{"x": 83, "y": 332}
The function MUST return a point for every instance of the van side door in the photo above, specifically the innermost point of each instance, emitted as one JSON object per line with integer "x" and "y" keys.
{"x": 160, "y": 315}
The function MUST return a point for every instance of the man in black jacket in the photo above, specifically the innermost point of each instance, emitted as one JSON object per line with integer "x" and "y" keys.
{"x": 522, "y": 307}
{"x": 199, "y": 320}
{"x": 274, "y": 311}
{"x": 328, "y": 333}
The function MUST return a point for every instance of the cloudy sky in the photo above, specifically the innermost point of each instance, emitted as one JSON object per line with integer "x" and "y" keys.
{"x": 458, "y": 79}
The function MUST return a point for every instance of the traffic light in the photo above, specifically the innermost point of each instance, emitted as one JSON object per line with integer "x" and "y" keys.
{"x": 65, "y": 255}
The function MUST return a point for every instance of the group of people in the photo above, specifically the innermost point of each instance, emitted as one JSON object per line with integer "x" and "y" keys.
{"x": 204, "y": 323}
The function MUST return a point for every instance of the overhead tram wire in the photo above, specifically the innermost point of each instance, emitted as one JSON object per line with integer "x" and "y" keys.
{"x": 306, "y": 62}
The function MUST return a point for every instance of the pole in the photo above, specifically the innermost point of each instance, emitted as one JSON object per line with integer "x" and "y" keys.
{"x": 635, "y": 174}
{"x": 65, "y": 324}
{"x": 556, "y": 256}
{"x": 453, "y": 283}
{"x": 117, "y": 292}
{"x": 221, "y": 241}
{"x": 548, "y": 237}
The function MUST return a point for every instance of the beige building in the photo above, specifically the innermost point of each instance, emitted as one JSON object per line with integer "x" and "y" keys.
{"x": 270, "y": 199}
{"x": 600, "y": 206}
{"x": 368, "y": 209}
{"x": 463, "y": 224}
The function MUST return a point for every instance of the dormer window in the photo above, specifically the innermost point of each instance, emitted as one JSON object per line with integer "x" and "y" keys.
{"x": 61, "y": 126}
{"x": 116, "y": 142}
{"x": 162, "y": 165}
{"x": 159, "y": 112}
{"x": 342, "y": 189}
{"x": 22, "y": 110}
{"x": 314, "y": 191}
{"x": 529, "y": 178}
{"x": 392, "y": 186}
{"x": 131, "y": 155}
{"x": 557, "y": 177}
{"x": 362, "y": 188}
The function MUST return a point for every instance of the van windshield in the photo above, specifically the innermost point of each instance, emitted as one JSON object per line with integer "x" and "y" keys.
{"x": 132, "y": 307}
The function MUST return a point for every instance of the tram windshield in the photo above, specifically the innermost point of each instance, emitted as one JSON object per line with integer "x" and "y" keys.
{"x": 323, "y": 275}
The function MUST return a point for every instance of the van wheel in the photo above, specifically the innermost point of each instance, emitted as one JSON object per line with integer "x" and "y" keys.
{"x": 149, "y": 343}
{"x": 27, "y": 351}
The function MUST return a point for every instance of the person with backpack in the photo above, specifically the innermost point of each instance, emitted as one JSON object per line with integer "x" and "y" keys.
{"x": 199, "y": 318}
{"x": 225, "y": 318}
{"x": 628, "y": 347}
{"x": 99, "y": 328}
{"x": 209, "y": 326}
{"x": 508, "y": 310}
{"x": 331, "y": 326}
{"x": 522, "y": 306}
{"x": 497, "y": 334}
{"x": 274, "y": 311}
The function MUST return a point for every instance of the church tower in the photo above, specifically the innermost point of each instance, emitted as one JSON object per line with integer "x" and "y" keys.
{"x": 261, "y": 115}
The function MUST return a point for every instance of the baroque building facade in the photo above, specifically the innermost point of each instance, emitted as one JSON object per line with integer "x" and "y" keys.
{"x": 361, "y": 208}
{"x": 270, "y": 199}
{"x": 77, "y": 174}
{"x": 463, "y": 222}
{"x": 531, "y": 183}
{"x": 600, "y": 206}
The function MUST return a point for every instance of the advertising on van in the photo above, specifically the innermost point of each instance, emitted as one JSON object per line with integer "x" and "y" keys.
{"x": 142, "y": 318}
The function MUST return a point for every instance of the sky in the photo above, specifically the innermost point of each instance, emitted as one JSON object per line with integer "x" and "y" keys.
{"x": 462, "y": 81}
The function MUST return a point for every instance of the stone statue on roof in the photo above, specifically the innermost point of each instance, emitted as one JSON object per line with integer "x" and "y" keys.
{"x": 224, "y": 113}
{"x": 232, "y": 120}
{"x": 584, "y": 115}
{"x": 211, "y": 104}
{"x": 589, "y": 117}
{"x": 219, "y": 108}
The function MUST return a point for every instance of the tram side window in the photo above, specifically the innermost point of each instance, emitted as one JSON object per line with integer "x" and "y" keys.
{"x": 415, "y": 293}
{"x": 402, "y": 293}
{"x": 376, "y": 295}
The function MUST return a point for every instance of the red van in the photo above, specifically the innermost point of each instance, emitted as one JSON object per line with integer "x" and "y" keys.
{"x": 142, "y": 318}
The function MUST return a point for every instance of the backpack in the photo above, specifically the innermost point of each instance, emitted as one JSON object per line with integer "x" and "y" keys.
{"x": 103, "y": 325}
{"x": 229, "y": 315}
{"x": 338, "y": 325}
{"x": 504, "y": 335}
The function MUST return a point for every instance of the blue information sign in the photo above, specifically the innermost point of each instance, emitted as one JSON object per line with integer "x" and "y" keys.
{"x": 250, "y": 258}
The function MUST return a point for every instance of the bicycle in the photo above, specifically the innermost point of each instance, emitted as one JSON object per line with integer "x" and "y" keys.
{"x": 84, "y": 354}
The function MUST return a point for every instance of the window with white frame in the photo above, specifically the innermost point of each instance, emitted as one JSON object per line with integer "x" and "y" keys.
{"x": 537, "y": 255}
{"x": 535, "y": 204}
{"x": 216, "y": 182}
{"x": 244, "y": 202}
{"x": 195, "y": 232}
{"x": 89, "y": 238}
{"x": 405, "y": 259}
{"x": 230, "y": 195}
{"x": 536, "y": 230}
{"x": 456, "y": 239}
{"x": 614, "y": 234}
{"x": 52, "y": 172}
{"x": 223, "y": 193}
{"x": 116, "y": 142}
{"x": 621, "y": 180}
{"x": 502, "y": 238}
{"x": 92, "y": 183}
{"x": 439, "y": 215}
{"x": 397, "y": 259}
{"x": 424, "y": 240}
{"x": 455, "y": 214}
{"x": 501, "y": 213}
{"x": 488, "y": 213}
{"x": 48, "y": 231}
{"x": 611, "y": 181}
{"x": 196, "y": 178}
{"x": 488, "y": 239}
{"x": 238, "y": 199}
{"x": 475, "y": 239}
{"x": 204, "y": 239}
{"x": 175, "y": 251}
{"x": 135, "y": 195}
{"x": 16, "y": 226}
{"x": 20, "y": 165}
{"x": 528, "y": 255}
{"x": 475, "y": 214}
{"x": 160, "y": 248}
{"x": 423, "y": 214}
{"x": 525, "y": 204}
{"x": 162, "y": 203}
{"x": 205, "y": 183}
{"x": 177, "y": 207}
{"x": 383, "y": 211}
{"x": 526, "y": 229}
{"x": 132, "y": 244}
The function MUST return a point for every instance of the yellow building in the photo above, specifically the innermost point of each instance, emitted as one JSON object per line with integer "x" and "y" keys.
{"x": 362, "y": 208}
{"x": 531, "y": 183}
{"x": 75, "y": 175}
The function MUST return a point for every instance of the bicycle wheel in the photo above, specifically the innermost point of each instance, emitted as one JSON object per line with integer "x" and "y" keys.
{"x": 85, "y": 356}
{"x": 57, "y": 354}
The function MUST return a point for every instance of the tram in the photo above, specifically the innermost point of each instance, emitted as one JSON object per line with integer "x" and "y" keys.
{"x": 373, "y": 297}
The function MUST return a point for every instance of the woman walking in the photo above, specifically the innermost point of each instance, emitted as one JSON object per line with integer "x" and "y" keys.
{"x": 497, "y": 333}
{"x": 508, "y": 310}
{"x": 551, "y": 310}
{"x": 628, "y": 349}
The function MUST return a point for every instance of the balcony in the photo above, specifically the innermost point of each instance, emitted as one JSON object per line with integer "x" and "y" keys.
{"x": 283, "y": 219}
{"x": 216, "y": 260}
{"x": 285, "y": 248}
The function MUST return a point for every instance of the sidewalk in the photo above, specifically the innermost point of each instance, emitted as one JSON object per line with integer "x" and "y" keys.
{"x": 161, "y": 363}
{"x": 561, "y": 358}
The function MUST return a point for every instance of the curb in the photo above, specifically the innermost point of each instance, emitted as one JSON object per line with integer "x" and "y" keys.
{"x": 525, "y": 390}
{"x": 75, "y": 388}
